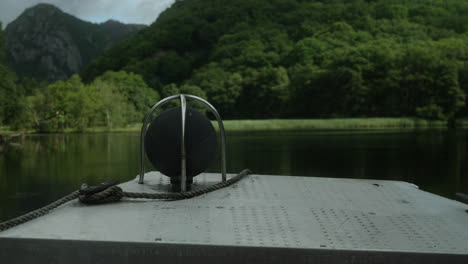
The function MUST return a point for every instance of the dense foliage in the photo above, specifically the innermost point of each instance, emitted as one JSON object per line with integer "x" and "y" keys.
{"x": 305, "y": 58}
{"x": 8, "y": 88}
{"x": 114, "y": 99}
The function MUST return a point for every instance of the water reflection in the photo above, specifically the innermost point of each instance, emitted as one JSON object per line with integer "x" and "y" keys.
{"x": 43, "y": 168}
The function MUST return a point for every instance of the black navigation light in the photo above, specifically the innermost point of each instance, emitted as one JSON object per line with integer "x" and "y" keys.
{"x": 181, "y": 142}
{"x": 164, "y": 138}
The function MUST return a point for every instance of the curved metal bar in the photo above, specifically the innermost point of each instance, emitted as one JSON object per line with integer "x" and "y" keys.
{"x": 221, "y": 131}
{"x": 143, "y": 133}
{"x": 182, "y": 98}
{"x": 183, "y": 167}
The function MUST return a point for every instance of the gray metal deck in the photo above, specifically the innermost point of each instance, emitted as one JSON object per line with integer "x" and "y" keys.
{"x": 266, "y": 219}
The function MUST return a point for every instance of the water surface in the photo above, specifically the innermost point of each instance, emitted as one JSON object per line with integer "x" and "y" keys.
{"x": 42, "y": 168}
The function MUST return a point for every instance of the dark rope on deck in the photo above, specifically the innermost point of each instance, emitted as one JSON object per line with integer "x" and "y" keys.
{"x": 37, "y": 213}
{"x": 115, "y": 194}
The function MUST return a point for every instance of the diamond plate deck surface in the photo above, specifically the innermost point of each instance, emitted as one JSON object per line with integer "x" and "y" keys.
{"x": 270, "y": 211}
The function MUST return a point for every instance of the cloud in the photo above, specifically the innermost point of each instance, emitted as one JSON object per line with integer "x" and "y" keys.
{"x": 127, "y": 11}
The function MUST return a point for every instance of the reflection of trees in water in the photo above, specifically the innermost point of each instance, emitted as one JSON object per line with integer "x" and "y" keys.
{"x": 457, "y": 157}
{"x": 434, "y": 160}
{"x": 7, "y": 141}
{"x": 56, "y": 164}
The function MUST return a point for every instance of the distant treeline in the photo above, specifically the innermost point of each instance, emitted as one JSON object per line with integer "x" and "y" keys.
{"x": 303, "y": 58}
{"x": 115, "y": 99}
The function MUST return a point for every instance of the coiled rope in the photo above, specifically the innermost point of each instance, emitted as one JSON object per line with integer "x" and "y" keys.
{"x": 114, "y": 194}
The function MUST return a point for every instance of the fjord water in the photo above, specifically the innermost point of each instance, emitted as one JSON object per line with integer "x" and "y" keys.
{"x": 41, "y": 168}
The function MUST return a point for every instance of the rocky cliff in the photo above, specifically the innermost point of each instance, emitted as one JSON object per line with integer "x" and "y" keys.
{"x": 48, "y": 44}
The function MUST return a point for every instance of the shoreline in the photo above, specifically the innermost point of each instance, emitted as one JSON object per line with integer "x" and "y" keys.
{"x": 294, "y": 124}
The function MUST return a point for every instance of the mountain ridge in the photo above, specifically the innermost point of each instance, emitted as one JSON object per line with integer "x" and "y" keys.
{"x": 48, "y": 44}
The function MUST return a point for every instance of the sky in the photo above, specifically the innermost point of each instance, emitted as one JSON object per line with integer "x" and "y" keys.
{"x": 127, "y": 11}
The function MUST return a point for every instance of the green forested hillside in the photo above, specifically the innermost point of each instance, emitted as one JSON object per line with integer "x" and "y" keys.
{"x": 306, "y": 58}
{"x": 266, "y": 59}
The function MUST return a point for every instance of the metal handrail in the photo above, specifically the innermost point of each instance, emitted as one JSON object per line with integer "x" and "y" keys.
{"x": 183, "y": 157}
{"x": 182, "y": 98}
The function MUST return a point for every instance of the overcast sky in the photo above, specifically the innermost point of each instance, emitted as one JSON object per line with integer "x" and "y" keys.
{"x": 127, "y": 11}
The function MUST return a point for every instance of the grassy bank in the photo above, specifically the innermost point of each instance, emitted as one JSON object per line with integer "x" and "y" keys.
{"x": 301, "y": 124}
{"x": 345, "y": 123}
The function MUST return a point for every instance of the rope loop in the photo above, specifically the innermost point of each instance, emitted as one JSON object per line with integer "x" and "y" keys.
{"x": 111, "y": 194}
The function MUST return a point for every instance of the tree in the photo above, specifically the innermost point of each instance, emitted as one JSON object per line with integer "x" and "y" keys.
{"x": 257, "y": 47}
{"x": 431, "y": 82}
{"x": 265, "y": 92}
{"x": 308, "y": 51}
{"x": 391, "y": 11}
{"x": 113, "y": 108}
{"x": 319, "y": 92}
{"x": 34, "y": 112}
{"x": 69, "y": 105}
{"x": 133, "y": 88}
{"x": 463, "y": 80}
{"x": 221, "y": 87}
{"x": 171, "y": 67}
{"x": 10, "y": 95}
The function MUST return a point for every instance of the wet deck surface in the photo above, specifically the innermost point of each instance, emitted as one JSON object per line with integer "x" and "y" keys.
{"x": 261, "y": 211}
